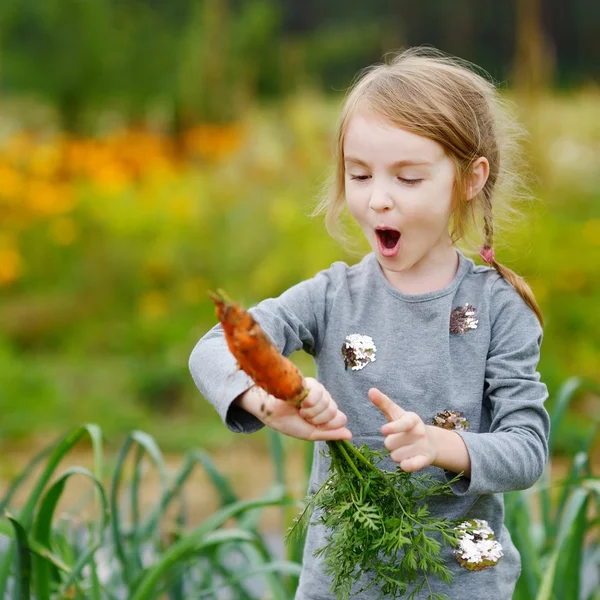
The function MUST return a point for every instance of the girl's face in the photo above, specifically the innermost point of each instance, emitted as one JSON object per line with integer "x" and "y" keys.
{"x": 399, "y": 188}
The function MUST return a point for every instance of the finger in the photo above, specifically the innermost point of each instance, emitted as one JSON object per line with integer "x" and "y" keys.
{"x": 403, "y": 453}
{"x": 407, "y": 422}
{"x": 325, "y": 405}
{"x": 314, "y": 396}
{"x": 409, "y": 457}
{"x": 415, "y": 463}
{"x": 326, "y": 435}
{"x": 339, "y": 420}
{"x": 397, "y": 440}
{"x": 329, "y": 413}
{"x": 389, "y": 408}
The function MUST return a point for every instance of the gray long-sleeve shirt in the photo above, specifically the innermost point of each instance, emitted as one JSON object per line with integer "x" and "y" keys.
{"x": 482, "y": 364}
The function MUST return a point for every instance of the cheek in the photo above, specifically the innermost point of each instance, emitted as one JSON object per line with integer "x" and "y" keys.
{"x": 354, "y": 204}
{"x": 430, "y": 210}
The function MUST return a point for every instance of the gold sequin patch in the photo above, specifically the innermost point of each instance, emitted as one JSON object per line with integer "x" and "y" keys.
{"x": 451, "y": 419}
{"x": 462, "y": 318}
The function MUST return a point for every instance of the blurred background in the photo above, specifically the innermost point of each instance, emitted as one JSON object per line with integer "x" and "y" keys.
{"x": 152, "y": 150}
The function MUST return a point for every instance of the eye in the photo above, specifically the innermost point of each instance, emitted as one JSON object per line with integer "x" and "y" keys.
{"x": 410, "y": 181}
{"x": 359, "y": 177}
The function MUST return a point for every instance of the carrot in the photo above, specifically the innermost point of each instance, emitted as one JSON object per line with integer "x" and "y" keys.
{"x": 256, "y": 354}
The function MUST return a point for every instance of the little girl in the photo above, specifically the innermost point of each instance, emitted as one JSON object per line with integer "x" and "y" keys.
{"x": 415, "y": 334}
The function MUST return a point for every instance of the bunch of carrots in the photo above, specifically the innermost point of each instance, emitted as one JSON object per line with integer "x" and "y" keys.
{"x": 372, "y": 513}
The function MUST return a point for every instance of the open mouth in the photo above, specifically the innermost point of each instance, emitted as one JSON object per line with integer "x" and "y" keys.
{"x": 388, "y": 241}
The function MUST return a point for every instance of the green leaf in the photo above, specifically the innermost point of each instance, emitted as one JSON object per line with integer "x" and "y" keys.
{"x": 519, "y": 520}
{"x": 135, "y": 508}
{"x": 87, "y": 555}
{"x": 42, "y": 531}
{"x": 573, "y": 507}
{"x": 280, "y": 566}
{"x": 187, "y": 544}
{"x": 22, "y": 561}
{"x": 192, "y": 458}
{"x": 278, "y": 455}
{"x": 57, "y": 453}
{"x": 568, "y": 582}
{"x": 23, "y": 476}
{"x": 128, "y": 568}
{"x": 579, "y": 469}
{"x": 7, "y": 530}
{"x": 564, "y": 397}
{"x": 61, "y": 450}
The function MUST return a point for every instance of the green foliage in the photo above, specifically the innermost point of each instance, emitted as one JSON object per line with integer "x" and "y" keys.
{"x": 117, "y": 548}
{"x": 75, "y": 58}
{"x": 372, "y": 515}
{"x": 202, "y": 60}
{"x": 19, "y": 379}
{"x": 124, "y": 551}
{"x": 94, "y": 329}
{"x": 559, "y": 552}
{"x": 555, "y": 524}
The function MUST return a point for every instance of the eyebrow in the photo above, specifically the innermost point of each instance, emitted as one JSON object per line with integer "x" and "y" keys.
{"x": 398, "y": 163}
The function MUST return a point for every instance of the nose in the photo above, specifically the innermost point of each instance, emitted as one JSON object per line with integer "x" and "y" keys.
{"x": 380, "y": 200}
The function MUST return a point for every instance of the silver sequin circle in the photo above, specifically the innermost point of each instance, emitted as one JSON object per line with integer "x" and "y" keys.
{"x": 358, "y": 351}
{"x": 478, "y": 548}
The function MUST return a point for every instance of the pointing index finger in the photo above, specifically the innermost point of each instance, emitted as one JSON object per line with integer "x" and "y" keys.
{"x": 387, "y": 406}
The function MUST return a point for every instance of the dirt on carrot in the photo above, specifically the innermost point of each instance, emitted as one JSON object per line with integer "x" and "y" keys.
{"x": 256, "y": 354}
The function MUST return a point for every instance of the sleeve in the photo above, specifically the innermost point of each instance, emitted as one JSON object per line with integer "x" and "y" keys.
{"x": 513, "y": 454}
{"x": 295, "y": 320}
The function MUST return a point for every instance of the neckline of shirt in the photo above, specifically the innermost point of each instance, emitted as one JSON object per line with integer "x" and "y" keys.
{"x": 464, "y": 266}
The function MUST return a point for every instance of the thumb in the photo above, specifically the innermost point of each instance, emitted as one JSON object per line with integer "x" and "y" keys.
{"x": 388, "y": 407}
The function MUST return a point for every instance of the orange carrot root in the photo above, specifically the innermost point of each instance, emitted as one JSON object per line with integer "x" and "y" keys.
{"x": 255, "y": 352}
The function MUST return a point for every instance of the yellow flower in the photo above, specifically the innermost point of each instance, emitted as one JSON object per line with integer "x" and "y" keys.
{"x": 12, "y": 183}
{"x": 10, "y": 265}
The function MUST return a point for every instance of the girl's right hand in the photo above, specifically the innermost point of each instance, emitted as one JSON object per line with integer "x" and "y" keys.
{"x": 317, "y": 419}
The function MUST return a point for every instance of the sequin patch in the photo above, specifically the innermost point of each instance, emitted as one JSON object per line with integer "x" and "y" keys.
{"x": 358, "y": 350}
{"x": 462, "y": 318}
{"x": 451, "y": 419}
{"x": 478, "y": 548}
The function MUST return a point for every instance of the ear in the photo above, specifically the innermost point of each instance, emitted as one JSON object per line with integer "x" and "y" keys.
{"x": 476, "y": 179}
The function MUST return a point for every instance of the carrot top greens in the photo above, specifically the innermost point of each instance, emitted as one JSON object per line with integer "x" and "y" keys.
{"x": 371, "y": 516}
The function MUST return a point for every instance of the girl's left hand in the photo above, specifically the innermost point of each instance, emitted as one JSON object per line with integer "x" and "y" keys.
{"x": 407, "y": 438}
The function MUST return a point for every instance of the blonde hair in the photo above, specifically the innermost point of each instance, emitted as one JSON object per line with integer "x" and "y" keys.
{"x": 442, "y": 98}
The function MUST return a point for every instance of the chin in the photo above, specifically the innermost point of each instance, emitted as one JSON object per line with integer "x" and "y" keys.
{"x": 394, "y": 264}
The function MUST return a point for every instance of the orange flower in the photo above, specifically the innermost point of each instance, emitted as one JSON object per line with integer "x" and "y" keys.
{"x": 49, "y": 198}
